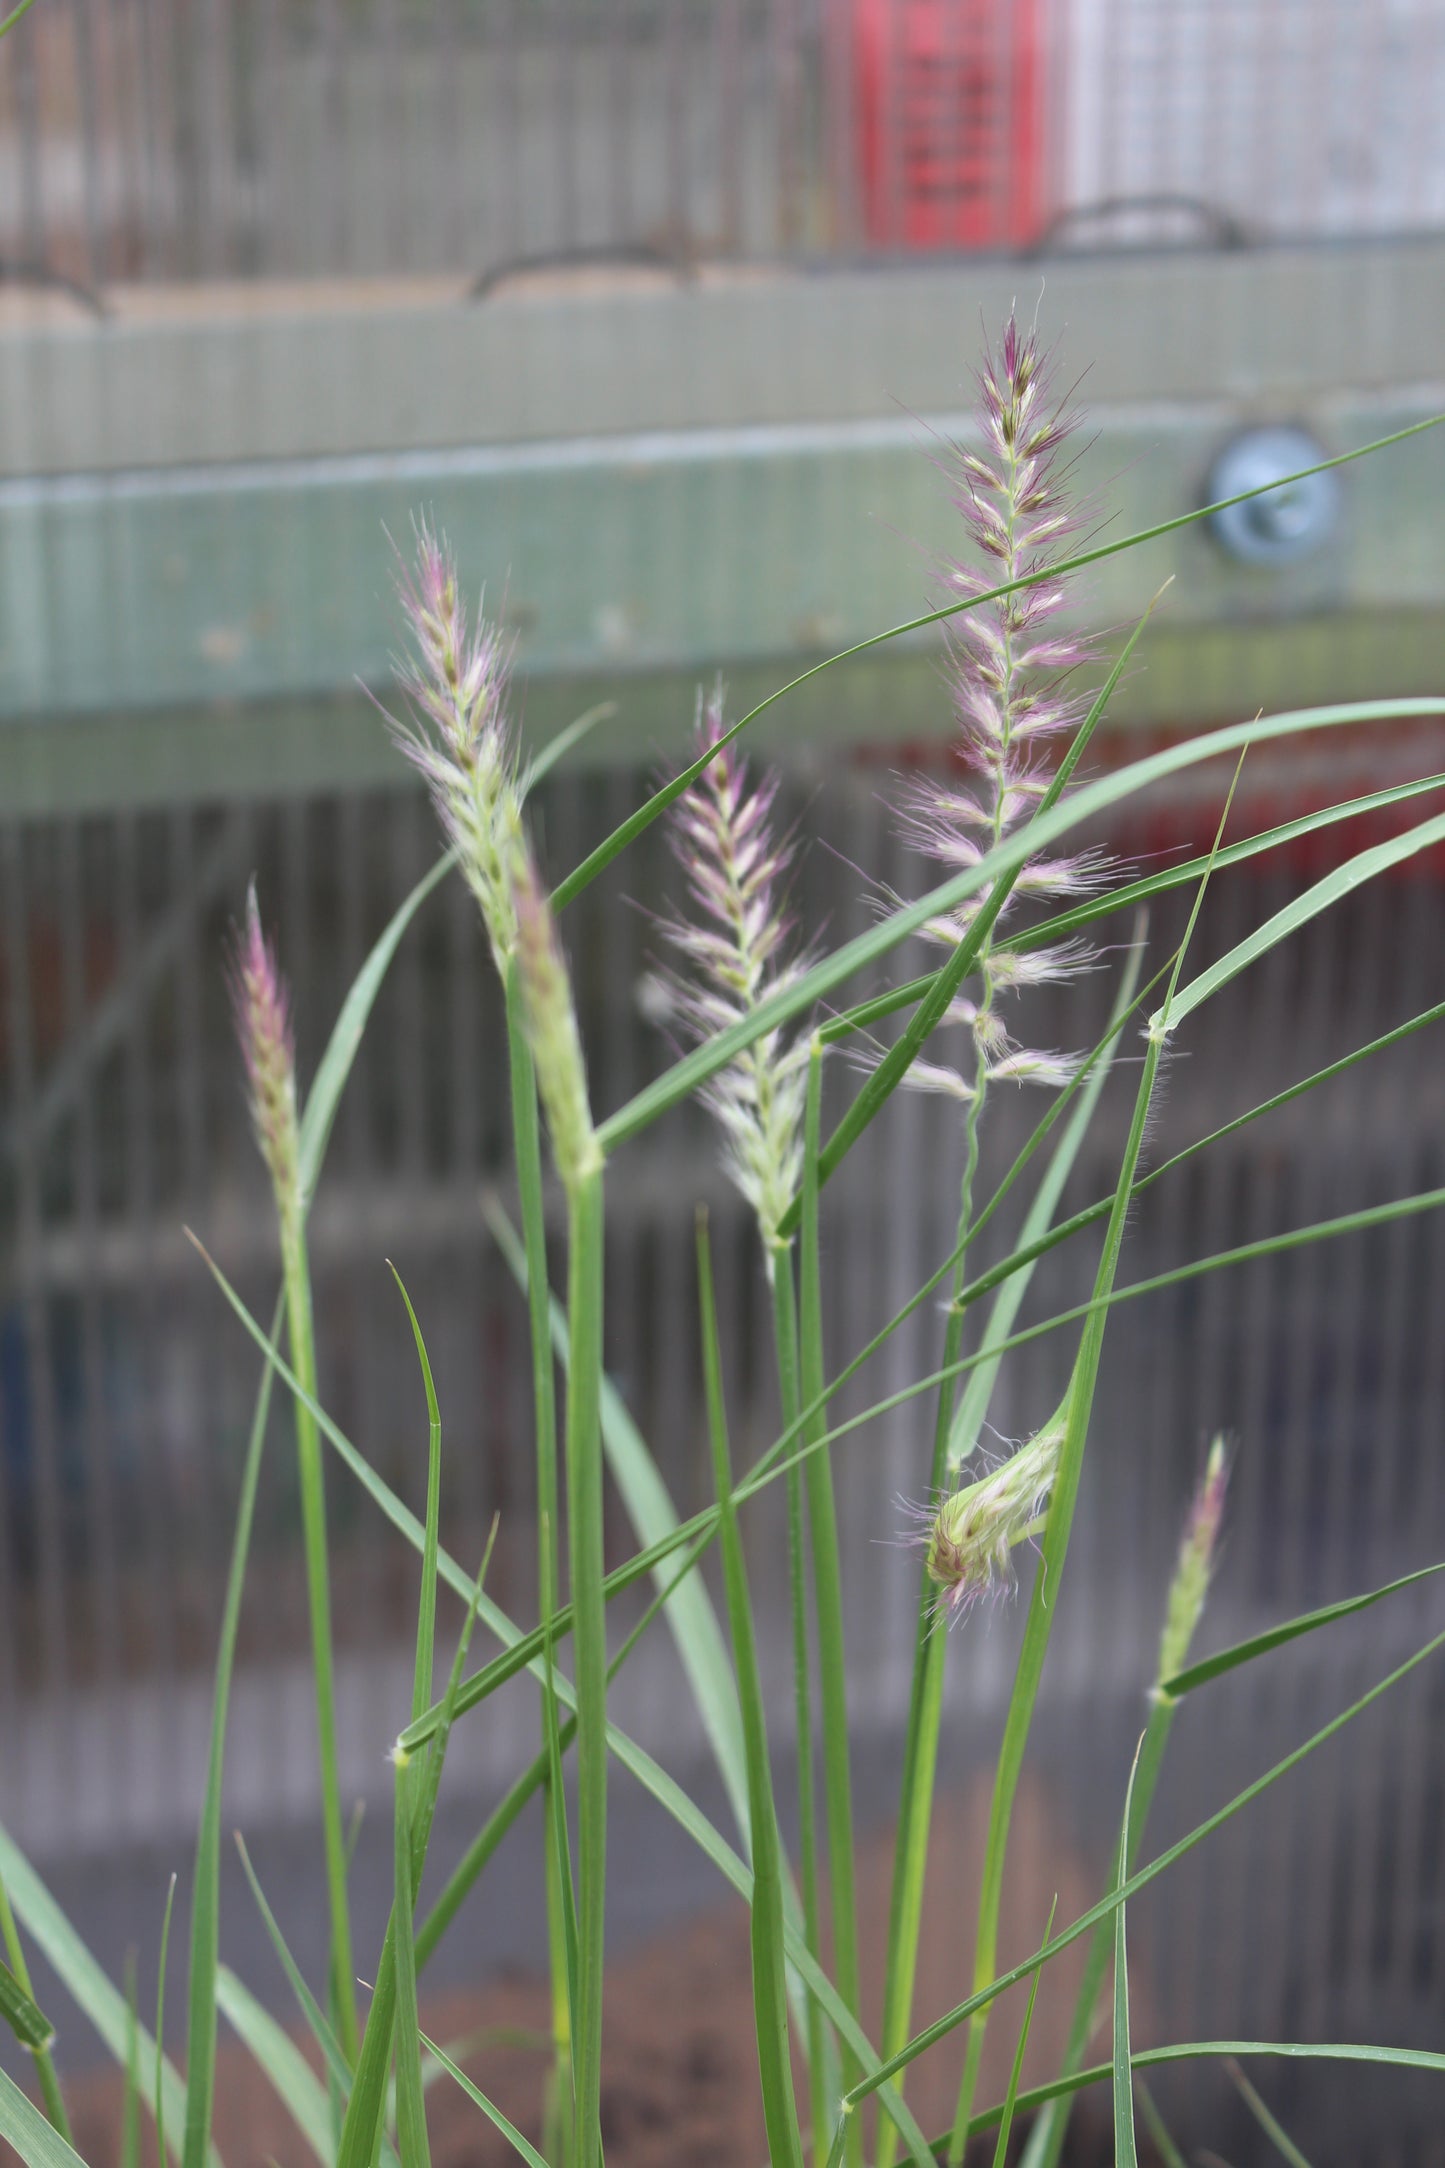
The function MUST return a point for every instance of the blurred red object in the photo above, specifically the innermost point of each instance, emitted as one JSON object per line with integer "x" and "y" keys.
{"x": 948, "y": 103}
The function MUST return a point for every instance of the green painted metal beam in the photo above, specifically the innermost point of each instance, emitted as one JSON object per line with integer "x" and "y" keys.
{"x": 192, "y": 625}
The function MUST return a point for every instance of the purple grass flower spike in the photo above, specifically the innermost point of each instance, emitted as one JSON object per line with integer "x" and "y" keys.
{"x": 733, "y": 952}
{"x": 263, "y": 1025}
{"x": 458, "y": 734}
{"x": 1009, "y": 665}
{"x": 1190, "y": 1584}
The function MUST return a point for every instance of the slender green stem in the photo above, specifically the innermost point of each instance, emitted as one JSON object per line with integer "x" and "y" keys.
{"x": 770, "y": 1999}
{"x": 411, "y": 2131}
{"x": 318, "y": 1596}
{"x": 527, "y": 1151}
{"x": 206, "y": 1879}
{"x": 589, "y": 1632}
{"x": 161, "y": 1969}
{"x": 785, "y": 1334}
{"x": 828, "y": 1589}
{"x": 925, "y": 1700}
{"x": 50, "y": 2092}
{"x": 14, "y": 16}
{"x": 1046, "y": 2139}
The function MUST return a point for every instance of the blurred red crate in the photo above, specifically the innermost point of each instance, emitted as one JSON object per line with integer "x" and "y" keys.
{"x": 948, "y": 101}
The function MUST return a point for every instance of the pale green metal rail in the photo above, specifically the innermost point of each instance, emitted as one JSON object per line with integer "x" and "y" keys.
{"x": 654, "y": 478}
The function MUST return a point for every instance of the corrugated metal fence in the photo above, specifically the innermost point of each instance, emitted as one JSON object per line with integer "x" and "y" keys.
{"x": 153, "y": 139}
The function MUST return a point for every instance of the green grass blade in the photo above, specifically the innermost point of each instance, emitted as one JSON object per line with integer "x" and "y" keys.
{"x": 822, "y": 2081}
{"x": 97, "y": 1998}
{"x": 337, "y": 2069}
{"x": 421, "y": 1691}
{"x": 1133, "y": 894}
{"x": 691, "y": 1619}
{"x": 28, "y": 2022}
{"x": 411, "y": 2135}
{"x": 130, "y": 2098}
{"x": 770, "y": 1995}
{"x": 330, "y": 1079}
{"x": 1275, "y": 1637}
{"x": 1083, "y": 806}
{"x": 277, "y": 2056}
{"x": 974, "y": 1401}
{"x": 31, "y": 2027}
{"x": 599, "y": 859}
{"x": 340, "y": 2079}
{"x": 560, "y": 1878}
{"x": 1142, "y": 1877}
{"x": 428, "y": 1791}
{"x": 14, "y": 16}
{"x": 508, "y": 2130}
{"x": 1000, "y": 2151}
{"x": 36, "y": 2140}
{"x": 1340, "y": 882}
{"x": 1274, "y": 2130}
{"x": 206, "y": 1877}
{"x": 1046, "y": 2139}
{"x": 1189, "y": 2051}
{"x": 366, "y": 2105}
{"x": 1126, "y": 2152}
{"x": 1164, "y": 2145}
{"x": 312, "y": 1486}
{"x": 160, "y": 2066}
{"x": 828, "y": 1595}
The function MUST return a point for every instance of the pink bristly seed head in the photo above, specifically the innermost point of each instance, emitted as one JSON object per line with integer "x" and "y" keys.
{"x": 1009, "y": 666}
{"x": 458, "y": 735}
{"x": 732, "y": 954}
{"x": 1190, "y": 1584}
{"x": 263, "y": 1025}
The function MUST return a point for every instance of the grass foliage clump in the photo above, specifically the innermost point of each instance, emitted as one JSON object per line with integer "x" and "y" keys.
{"x": 755, "y": 1009}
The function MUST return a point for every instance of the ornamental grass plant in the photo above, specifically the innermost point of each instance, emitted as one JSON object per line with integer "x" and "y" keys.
{"x": 752, "y": 1010}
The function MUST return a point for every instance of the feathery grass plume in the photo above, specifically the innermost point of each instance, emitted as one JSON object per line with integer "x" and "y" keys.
{"x": 1009, "y": 667}
{"x": 968, "y": 1538}
{"x": 263, "y": 1021}
{"x": 1190, "y": 1584}
{"x": 459, "y": 736}
{"x": 733, "y": 955}
{"x": 263, "y": 1025}
{"x": 550, "y": 1017}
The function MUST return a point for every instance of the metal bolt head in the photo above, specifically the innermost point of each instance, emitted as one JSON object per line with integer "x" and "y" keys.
{"x": 1284, "y": 524}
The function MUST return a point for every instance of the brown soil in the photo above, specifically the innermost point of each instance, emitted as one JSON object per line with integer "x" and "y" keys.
{"x": 680, "y": 2078}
